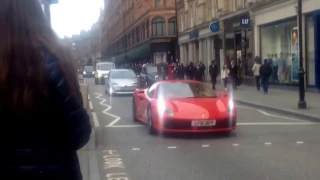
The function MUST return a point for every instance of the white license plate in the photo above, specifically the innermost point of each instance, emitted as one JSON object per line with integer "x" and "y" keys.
{"x": 203, "y": 123}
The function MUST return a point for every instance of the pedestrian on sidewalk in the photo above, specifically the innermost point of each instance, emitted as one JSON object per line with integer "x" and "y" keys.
{"x": 234, "y": 74}
{"x": 213, "y": 71}
{"x": 225, "y": 76}
{"x": 198, "y": 72}
{"x": 256, "y": 71}
{"x": 265, "y": 73}
{"x": 42, "y": 116}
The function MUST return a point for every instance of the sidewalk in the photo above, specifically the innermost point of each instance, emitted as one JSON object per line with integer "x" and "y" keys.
{"x": 283, "y": 101}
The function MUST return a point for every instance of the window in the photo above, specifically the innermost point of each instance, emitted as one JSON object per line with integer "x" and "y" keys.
{"x": 137, "y": 35}
{"x": 158, "y": 26}
{"x": 152, "y": 90}
{"x": 185, "y": 90}
{"x": 157, "y": 3}
{"x": 172, "y": 22}
{"x": 166, "y": 3}
{"x": 182, "y": 22}
{"x": 279, "y": 45}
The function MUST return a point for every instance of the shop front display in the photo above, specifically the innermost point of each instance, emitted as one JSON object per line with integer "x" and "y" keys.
{"x": 280, "y": 46}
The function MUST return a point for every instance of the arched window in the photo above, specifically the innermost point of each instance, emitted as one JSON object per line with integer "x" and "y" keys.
{"x": 158, "y": 26}
{"x": 172, "y": 26}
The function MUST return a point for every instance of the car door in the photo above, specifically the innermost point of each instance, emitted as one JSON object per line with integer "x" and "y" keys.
{"x": 144, "y": 101}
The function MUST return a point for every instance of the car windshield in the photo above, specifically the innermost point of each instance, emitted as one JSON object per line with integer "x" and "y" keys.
{"x": 122, "y": 75}
{"x": 107, "y": 66}
{"x": 88, "y": 68}
{"x": 152, "y": 69}
{"x": 185, "y": 90}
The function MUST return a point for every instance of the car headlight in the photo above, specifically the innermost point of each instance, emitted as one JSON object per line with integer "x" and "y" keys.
{"x": 231, "y": 106}
{"x": 92, "y": 72}
{"x": 84, "y": 72}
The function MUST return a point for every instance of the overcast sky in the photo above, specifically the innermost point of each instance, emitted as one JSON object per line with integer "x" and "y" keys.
{"x": 69, "y": 17}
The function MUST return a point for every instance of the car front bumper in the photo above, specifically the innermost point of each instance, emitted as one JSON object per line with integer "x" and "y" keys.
{"x": 184, "y": 126}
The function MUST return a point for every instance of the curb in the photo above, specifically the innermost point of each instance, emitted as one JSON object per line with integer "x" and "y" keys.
{"x": 292, "y": 113}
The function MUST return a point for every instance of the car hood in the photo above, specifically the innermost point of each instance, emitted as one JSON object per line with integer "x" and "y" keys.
{"x": 103, "y": 71}
{"x": 127, "y": 82}
{"x": 199, "y": 108}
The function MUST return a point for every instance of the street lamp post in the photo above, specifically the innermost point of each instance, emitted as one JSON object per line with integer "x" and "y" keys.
{"x": 302, "y": 103}
{"x": 177, "y": 33}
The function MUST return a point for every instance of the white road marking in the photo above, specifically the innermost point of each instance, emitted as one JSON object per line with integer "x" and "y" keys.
{"x": 268, "y": 114}
{"x": 235, "y": 144}
{"x": 275, "y": 123}
{"x": 268, "y": 143}
{"x": 299, "y": 142}
{"x": 88, "y": 97}
{"x": 172, "y": 147}
{"x": 205, "y": 145}
{"x": 90, "y": 105}
{"x": 105, "y": 111}
{"x": 135, "y": 149}
{"x": 95, "y": 120}
{"x": 124, "y": 126}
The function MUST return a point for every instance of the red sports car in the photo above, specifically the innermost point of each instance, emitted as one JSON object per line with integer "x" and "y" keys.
{"x": 183, "y": 106}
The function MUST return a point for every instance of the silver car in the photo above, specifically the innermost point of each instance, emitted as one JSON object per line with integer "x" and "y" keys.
{"x": 121, "y": 81}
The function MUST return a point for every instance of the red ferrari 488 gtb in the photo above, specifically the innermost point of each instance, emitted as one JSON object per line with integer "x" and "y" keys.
{"x": 183, "y": 106}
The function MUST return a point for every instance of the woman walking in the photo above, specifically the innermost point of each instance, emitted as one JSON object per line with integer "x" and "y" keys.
{"x": 225, "y": 75}
{"x": 43, "y": 121}
{"x": 256, "y": 72}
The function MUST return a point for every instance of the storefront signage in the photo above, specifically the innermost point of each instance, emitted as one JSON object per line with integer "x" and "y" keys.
{"x": 245, "y": 21}
{"x": 193, "y": 34}
{"x": 214, "y": 27}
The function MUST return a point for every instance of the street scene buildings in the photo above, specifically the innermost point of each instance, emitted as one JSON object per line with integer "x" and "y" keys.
{"x": 140, "y": 30}
{"x": 243, "y": 29}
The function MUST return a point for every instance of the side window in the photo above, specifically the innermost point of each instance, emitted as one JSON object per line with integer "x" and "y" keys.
{"x": 152, "y": 90}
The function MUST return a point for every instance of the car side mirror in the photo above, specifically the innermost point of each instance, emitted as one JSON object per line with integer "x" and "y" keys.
{"x": 223, "y": 95}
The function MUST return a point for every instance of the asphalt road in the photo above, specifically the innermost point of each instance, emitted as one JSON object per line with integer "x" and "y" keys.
{"x": 265, "y": 146}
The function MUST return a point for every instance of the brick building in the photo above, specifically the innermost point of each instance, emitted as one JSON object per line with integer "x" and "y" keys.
{"x": 140, "y": 30}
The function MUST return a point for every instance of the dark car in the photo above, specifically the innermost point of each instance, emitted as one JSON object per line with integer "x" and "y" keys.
{"x": 88, "y": 71}
{"x": 152, "y": 73}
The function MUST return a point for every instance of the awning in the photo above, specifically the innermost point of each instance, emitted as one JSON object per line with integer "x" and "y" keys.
{"x": 140, "y": 52}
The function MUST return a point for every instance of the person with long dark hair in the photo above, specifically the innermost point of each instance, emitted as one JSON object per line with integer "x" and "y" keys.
{"x": 43, "y": 121}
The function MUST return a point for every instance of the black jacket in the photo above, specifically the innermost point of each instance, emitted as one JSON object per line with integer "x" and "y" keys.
{"x": 43, "y": 145}
{"x": 213, "y": 71}
{"x": 265, "y": 70}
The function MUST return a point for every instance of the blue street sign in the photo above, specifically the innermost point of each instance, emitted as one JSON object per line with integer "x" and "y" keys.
{"x": 214, "y": 27}
{"x": 245, "y": 21}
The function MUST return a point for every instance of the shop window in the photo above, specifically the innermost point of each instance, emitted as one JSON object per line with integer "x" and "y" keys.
{"x": 158, "y": 26}
{"x": 310, "y": 51}
{"x": 172, "y": 24}
{"x": 279, "y": 45}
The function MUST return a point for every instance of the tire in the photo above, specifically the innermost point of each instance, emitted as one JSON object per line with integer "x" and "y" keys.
{"x": 134, "y": 111}
{"x": 151, "y": 129}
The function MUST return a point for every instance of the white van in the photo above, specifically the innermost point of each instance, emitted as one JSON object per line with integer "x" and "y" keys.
{"x": 102, "y": 69}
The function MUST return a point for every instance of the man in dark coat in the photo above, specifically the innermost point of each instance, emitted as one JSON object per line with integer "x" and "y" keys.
{"x": 234, "y": 73}
{"x": 213, "y": 71}
{"x": 265, "y": 73}
{"x": 198, "y": 72}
